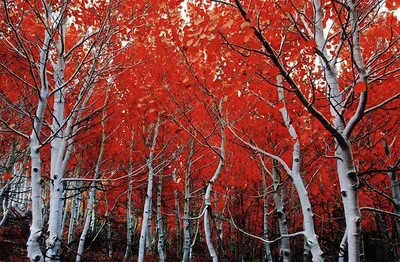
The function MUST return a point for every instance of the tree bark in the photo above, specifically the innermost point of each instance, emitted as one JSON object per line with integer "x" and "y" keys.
{"x": 186, "y": 205}
{"x": 74, "y": 212}
{"x": 159, "y": 218}
{"x": 207, "y": 196}
{"x": 129, "y": 215}
{"x": 92, "y": 192}
{"x": 283, "y": 230}
{"x": 149, "y": 193}
{"x": 34, "y": 252}
{"x": 267, "y": 256}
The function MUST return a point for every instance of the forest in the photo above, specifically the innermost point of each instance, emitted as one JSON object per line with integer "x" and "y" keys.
{"x": 213, "y": 130}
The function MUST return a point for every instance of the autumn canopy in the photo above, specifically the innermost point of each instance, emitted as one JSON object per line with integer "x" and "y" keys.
{"x": 223, "y": 130}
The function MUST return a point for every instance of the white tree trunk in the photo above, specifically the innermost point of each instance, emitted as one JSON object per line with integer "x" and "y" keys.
{"x": 129, "y": 223}
{"x": 5, "y": 201}
{"x": 34, "y": 252}
{"x": 149, "y": 232}
{"x": 149, "y": 193}
{"x": 345, "y": 165}
{"x": 108, "y": 228}
{"x": 160, "y": 229}
{"x": 74, "y": 213}
{"x": 207, "y": 196}
{"x": 283, "y": 230}
{"x": 129, "y": 215}
{"x": 267, "y": 252}
{"x": 178, "y": 224}
{"x": 58, "y": 146}
{"x": 342, "y": 249}
{"x": 66, "y": 203}
{"x": 85, "y": 230}
{"x": 93, "y": 219}
{"x": 348, "y": 188}
{"x": 92, "y": 190}
{"x": 308, "y": 223}
{"x": 186, "y": 206}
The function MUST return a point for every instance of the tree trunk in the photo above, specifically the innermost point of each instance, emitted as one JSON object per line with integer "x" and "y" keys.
{"x": 74, "y": 212}
{"x": 129, "y": 215}
{"x": 66, "y": 204}
{"x": 283, "y": 230}
{"x": 186, "y": 206}
{"x": 34, "y": 252}
{"x": 149, "y": 232}
{"x": 348, "y": 188}
{"x": 267, "y": 256}
{"x": 86, "y": 226}
{"x": 311, "y": 240}
{"x": 147, "y": 204}
{"x": 178, "y": 225}
{"x": 93, "y": 220}
{"x": 207, "y": 196}
{"x": 345, "y": 165}
{"x": 160, "y": 227}
{"x": 342, "y": 250}
{"x": 92, "y": 193}
{"x": 108, "y": 228}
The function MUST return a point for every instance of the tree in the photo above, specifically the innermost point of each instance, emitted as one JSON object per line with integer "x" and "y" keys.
{"x": 304, "y": 41}
{"x": 252, "y": 127}
{"x": 72, "y": 61}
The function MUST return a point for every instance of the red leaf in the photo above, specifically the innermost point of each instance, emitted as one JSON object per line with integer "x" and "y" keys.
{"x": 274, "y": 71}
{"x": 360, "y": 87}
{"x": 6, "y": 176}
{"x": 392, "y": 5}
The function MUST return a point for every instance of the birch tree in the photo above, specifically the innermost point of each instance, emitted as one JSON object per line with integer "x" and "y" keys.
{"x": 92, "y": 192}
{"x": 149, "y": 193}
{"x": 72, "y": 81}
{"x": 309, "y": 27}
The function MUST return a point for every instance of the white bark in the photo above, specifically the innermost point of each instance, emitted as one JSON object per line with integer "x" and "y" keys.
{"x": 348, "y": 187}
{"x": 149, "y": 193}
{"x": 211, "y": 182}
{"x": 58, "y": 145}
{"x": 74, "y": 212}
{"x": 25, "y": 193}
{"x": 93, "y": 219}
{"x": 108, "y": 228}
{"x": 66, "y": 203}
{"x": 129, "y": 223}
{"x": 196, "y": 233}
{"x": 149, "y": 232}
{"x": 308, "y": 223}
{"x": 342, "y": 249}
{"x": 92, "y": 189}
{"x": 186, "y": 206}
{"x": 129, "y": 215}
{"x": 178, "y": 224}
{"x": 345, "y": 165}
{"x": 87, "y": 222}
{"x": 160, "y": 229}
{"x": 283, "y": 230}
{"x": 34, "y": 252}
{"x": 5, "y": 201}
{"x": 267, "y": 256}
{"x": 56, "y": 189}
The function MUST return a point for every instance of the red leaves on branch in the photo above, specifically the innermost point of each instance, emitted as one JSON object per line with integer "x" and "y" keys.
{"x": 360, "y": 87}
